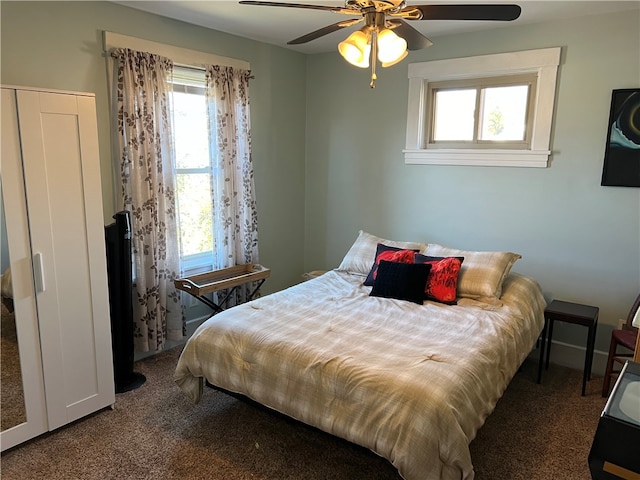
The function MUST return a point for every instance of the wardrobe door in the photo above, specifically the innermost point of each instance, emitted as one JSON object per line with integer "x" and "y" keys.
{"x": 61, "y": 168}
{"x": 23, "y": 412}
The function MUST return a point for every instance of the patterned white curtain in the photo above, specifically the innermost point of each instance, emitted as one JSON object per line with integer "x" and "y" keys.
{"x": 146, "y": 150}
{"x": 234, "y": 202}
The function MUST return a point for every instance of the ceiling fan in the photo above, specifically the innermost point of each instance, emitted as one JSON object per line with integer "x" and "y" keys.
{"x": 386, "y": 36}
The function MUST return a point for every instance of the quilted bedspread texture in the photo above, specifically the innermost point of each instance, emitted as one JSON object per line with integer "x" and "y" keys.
{"x": 413, "y": 383}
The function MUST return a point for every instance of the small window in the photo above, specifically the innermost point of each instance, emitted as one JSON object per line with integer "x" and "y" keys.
{"x": 490, "y": 110}
{"x": 480, "y": 113}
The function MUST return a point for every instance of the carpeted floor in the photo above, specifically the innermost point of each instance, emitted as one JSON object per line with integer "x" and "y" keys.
{"x": 12, "y": 409}
{"x": 536, "y": 432}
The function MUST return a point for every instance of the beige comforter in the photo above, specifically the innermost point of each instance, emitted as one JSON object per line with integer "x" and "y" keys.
{"x": 411, "y": 382}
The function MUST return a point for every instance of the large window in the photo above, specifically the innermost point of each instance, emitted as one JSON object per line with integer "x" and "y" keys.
{"x": 193, "y": 170}
{"x": 193, "y": 167}
{"x": 489, "y": 110}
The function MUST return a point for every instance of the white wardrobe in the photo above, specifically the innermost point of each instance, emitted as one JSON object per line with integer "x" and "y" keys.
{"x": 51, "y": 192}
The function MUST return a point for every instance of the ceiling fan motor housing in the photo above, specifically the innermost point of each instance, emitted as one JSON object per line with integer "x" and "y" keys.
{"x": 377, "y": 5}
{"x": 375, "y": 19}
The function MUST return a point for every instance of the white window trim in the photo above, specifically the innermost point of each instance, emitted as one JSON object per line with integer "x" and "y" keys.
{"x": 543, "y": 62}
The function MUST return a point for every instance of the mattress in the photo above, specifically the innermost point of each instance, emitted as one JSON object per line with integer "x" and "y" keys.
{"x": 411, "y": 382}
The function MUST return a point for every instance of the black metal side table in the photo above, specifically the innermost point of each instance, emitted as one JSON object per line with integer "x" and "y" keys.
{"x": 578, "y": 314}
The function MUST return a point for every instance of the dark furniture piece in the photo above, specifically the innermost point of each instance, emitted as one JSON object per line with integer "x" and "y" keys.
{"x": 614, "y": 452}
{"x": 626, "y": 338}
{"x": 576, "y": 313}
{"x": 541, "y": 344}
{"x": 120, "y": 276}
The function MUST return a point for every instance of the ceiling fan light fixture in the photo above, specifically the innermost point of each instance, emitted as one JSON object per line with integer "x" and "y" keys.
{"x": 375, "y": 41}
{"x": 356, "y": 49}
{"x": 397, "y": 60}
{"x": 391, "y": 47}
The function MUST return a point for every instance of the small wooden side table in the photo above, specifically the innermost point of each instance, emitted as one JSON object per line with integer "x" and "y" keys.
{"x": 578, "y": 314}
{"x": 226, "y": 278}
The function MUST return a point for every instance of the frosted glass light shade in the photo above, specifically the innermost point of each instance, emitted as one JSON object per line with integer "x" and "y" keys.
{"x": 356, "y": 49}
{"x": 398, "y": 60}
{"x": 391, "y": 47}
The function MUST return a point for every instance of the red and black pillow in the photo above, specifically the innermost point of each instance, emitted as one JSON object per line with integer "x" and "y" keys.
{"x": 389, "y": 254}
{"x": 442, "y": 282}
{"x": 442, "y": 285}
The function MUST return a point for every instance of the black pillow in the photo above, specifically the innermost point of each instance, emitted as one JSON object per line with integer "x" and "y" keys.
{"x": 403, "y": 281}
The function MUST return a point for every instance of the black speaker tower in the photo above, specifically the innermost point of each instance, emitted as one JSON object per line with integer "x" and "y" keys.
{"x": 119, "y": 271}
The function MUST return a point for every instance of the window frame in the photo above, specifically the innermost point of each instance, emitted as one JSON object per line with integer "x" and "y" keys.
{"x": 542, "y": 63}
{"x": 190, "y": 79}
{"x": 480, "y": 85}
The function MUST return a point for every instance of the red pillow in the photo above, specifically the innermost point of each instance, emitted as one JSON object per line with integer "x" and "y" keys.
{"x": 389, "y": 254}
{"x": 442, "y": 284}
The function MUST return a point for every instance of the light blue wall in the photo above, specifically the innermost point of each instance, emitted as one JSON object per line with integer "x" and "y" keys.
{"x": 59, "y": 45}
{"x": 580, "y": 240}
{"x": 328, "y": 150}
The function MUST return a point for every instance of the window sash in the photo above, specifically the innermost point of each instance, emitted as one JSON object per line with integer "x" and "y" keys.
{"x": 190, "y": 80}
{"x": 480, "y": 85}
{"x": 196, "y": 263}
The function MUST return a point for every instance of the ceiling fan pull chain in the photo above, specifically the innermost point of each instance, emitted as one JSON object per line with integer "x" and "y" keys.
{"x": 374, "y": 56}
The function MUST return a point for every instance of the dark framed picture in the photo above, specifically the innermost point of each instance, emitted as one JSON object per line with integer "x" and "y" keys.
{"x": 622, "y": 151}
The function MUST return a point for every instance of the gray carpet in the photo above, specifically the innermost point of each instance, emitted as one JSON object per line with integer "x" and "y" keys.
{"x": 536, "y": 432}
{"x": 12, "y": 409}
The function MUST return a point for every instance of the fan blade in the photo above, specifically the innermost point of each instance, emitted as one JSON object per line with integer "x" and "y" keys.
{"x": 323, "y": 31}
{"x": 327, "y": 8}
{"x": 415, "y": 39}
{"x": 466, "y": 12}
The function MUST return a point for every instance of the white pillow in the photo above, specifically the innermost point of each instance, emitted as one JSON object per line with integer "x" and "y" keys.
{"x": 362, "y": 254}
{"x": 482, "y": 273}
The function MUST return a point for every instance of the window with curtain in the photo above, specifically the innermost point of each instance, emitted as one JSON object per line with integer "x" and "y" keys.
{"x": 184, "y": 155}
{"x": 217, "y": 219}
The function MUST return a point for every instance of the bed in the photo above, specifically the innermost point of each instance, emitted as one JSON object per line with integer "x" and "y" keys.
{"x": 412, "y": 381}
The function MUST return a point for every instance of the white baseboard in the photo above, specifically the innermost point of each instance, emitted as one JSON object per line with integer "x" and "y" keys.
{"x": 572, "y": 356}
{"x": 192, "y": 325}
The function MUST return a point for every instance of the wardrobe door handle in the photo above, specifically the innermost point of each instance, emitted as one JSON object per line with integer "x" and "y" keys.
{"x": 38, "y": 272}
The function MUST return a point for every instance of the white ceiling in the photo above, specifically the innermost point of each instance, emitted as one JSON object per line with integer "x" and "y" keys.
{"x": 277, "y": 25}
